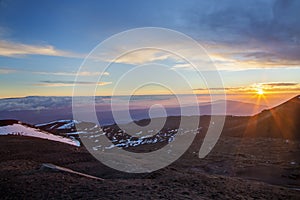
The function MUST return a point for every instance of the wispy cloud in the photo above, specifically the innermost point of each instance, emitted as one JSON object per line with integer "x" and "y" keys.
{"x": 279, "y": 84}
{"x": 69, "y": 83}
{"x": 82, "y": 73}
{"x": 15, "y": 49}
{"x": 182, "y": 66}
{"x": 215, "y": 88}
{"x": 134, "y": 58}
{"x": 229, "y": 57}
{"x": 269, "y": 87}
{"x": 7, "y": 71}
{"x": 86, "y": 73}
{"x": 225, "y": 56}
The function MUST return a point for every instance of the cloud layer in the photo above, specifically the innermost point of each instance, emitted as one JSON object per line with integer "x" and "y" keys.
{"x": 69, "y": 83}
{"x": 252, "y": 34}
{"x": 7, "y": 71}
{"x": 269, "y": 87}
{"x": 14, "y": 49}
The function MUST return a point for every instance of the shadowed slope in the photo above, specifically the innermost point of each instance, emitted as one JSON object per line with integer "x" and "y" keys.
{"x": 282, "y": 121}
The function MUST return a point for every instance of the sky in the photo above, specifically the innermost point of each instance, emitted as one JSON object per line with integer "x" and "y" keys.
{"x": 255, "y": 45}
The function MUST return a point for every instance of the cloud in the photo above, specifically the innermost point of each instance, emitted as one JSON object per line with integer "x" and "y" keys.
{"x": 183, "y": 66}
{"x": 225, "y": 56}
{"x": 232, "y": 57}
{"x": 84, "y": 73}
{"x": 214, "y": 88}
{"x": 248, "y": 34}
{"x": 137, "y": 57}
{"x": 69, "y": 83}
{"x": 228, "y": 90}
{"x": 269, "y": 87}
{"x": 7, "y": 71}
{"x": 14, "y": 49}
{"x": 269, "y": 21}
{"x": 279, "y": 84}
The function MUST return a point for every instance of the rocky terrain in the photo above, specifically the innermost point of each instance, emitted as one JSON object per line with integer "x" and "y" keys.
{"x": 255, "y": 158}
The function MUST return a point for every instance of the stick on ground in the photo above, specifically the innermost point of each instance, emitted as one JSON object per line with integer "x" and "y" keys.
{"x": 55, "y": 167}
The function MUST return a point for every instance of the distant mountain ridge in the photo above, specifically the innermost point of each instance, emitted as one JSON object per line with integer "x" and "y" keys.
{"x": 57, "y": 110}
{"x": 282, "y": 121}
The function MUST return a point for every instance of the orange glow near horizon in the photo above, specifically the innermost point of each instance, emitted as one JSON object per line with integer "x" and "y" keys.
{"x": 258, "y": 95}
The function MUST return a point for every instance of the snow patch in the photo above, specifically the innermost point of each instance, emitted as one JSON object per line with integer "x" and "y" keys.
{"x": 19, "y": 129}
{"x": 68, "y": 123}
{"x": 66, "y": 126}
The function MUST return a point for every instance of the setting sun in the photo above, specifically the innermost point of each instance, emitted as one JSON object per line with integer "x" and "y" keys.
{"x": 260, "y": 91}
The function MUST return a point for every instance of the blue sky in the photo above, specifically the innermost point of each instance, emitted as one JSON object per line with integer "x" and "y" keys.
{"x": 253, "y": 43}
